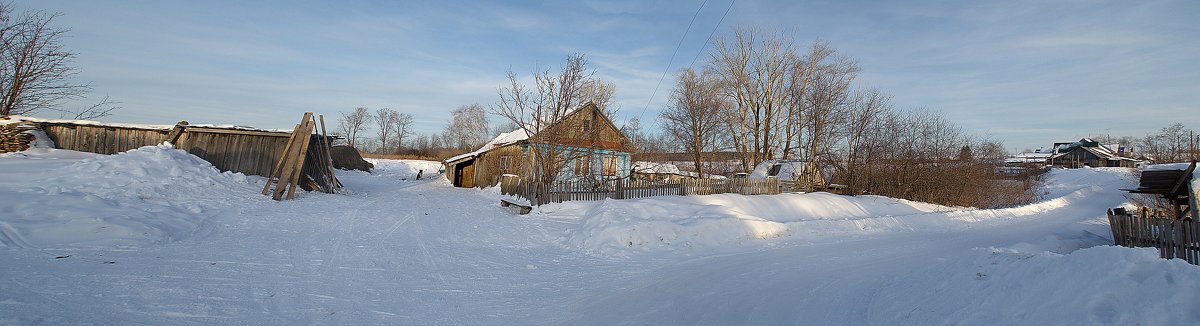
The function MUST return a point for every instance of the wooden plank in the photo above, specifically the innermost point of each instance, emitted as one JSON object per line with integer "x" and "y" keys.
{"x": 214, "y": 151}
{"x": 1195, "y": 241}
{"x": 305, "y": 137}
{"x": 117, "y": 141}
{"x": 257, "y": 157}
{"x": 265, "y": 155}
{"x": 277, "y": 172}
{"x": 235, "y": 152}
{"x": 176, "y": 132}
{"x": 227, "y": 152}
{"x": 329, "y": 155}
{"x": 247, "y": 160}
{"x": 254, "y": 155}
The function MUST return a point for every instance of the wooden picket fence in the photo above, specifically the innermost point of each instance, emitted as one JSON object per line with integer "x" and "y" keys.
{"x": 560, "y": 191}
{"x": 1174, "y": 238}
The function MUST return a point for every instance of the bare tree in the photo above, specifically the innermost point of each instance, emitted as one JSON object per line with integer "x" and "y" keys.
{"x": 35, "y": 68}
{"x": 599, "y": 92}
{"x": 638, "y": 138}
{"x": 825, "y": 103}
{"x": 553, "y": 96}
{"x": 867, "y": 107}
{"x": 468, "y": 127}
{"x": 754, "y": 67}
{"x": 404, "y": 129}
{"x": 1170, "y": 144}
{"x": 385, "y": 127}
{"x": 99, "y": 110}
{"x": 352, "y": 123}
{"x": 691, "y": 117}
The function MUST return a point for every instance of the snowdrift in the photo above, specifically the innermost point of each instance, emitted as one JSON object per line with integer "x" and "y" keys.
{"x": 150, "y": 195}
{"x": 621, "y": 227}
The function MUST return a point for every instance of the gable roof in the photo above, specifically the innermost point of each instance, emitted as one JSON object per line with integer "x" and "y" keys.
{"x": 1093, "y": 147}
{"x": 523, "y": 134}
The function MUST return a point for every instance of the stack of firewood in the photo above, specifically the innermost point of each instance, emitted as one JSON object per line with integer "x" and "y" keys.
{"x": 13, "y": 138}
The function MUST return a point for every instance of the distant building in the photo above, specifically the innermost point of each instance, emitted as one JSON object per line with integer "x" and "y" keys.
{"x": 1089, "y": 153}
{"x": 666, "y": 172}
{"x": 801, "y": 173}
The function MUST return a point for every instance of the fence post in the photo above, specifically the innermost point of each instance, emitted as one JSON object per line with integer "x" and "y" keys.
{"x": 620, "y": 189}
{"x": 1177, "y": 234}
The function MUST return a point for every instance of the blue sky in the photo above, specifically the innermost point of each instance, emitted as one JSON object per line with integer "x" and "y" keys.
{"x": 1026, "y": 73}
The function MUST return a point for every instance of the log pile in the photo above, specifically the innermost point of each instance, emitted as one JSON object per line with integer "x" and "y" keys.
{"x": 13, "y": 138}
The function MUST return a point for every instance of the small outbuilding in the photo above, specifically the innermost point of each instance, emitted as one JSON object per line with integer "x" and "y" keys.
{"x": 803, "y": 175}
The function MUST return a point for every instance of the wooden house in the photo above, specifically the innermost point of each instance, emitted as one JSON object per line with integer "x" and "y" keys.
{"x": 588, "y": 144}
{"x": 1089, "y": 153}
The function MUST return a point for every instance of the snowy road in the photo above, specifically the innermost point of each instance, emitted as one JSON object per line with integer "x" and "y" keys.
{"x": 392, "y": 251}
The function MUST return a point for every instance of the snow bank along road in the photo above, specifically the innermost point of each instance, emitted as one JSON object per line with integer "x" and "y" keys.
{"x": 155, "y": 236}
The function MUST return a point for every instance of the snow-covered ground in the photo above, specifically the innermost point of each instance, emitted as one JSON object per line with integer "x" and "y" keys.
{"x": 157, "y": 236}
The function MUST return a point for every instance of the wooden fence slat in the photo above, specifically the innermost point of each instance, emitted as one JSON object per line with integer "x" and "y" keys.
{"x": 1174, "y": 238}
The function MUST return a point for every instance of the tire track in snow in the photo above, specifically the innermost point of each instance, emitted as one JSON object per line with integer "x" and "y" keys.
{"x": 345, "y": 222}
{"x": 436, "y": 269}
{"x": 9, "y": 237}
{"x": 396, "y": 227}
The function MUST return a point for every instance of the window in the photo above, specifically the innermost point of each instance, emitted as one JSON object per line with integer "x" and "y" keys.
{"x": 583, "y": 166}
{"x": 774, "y": 171}
{"x": 505, "y": 163}
{"x": 610, "y": 166}
{"x": 585, "y": 129}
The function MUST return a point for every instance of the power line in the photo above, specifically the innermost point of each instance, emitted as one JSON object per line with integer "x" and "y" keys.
{"x": 710, "y": 35}
{"x": 669, "y": 62}
{"x": 698, "y": 52}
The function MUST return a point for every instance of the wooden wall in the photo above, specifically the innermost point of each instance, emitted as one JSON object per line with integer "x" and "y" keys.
{"x": 487, "y": 166}
{"x": 101, "y": 139}
{"x": 246, "y": 151}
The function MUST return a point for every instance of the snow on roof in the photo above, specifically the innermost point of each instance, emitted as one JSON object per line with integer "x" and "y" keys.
{"x": 1166, "y": 167}
{"x": 1037, "y": 157}
{"x": 655, "y": 167}
{"x": 18, "y": 119}
{"x": 1098, "y": 150}
{"x": 500, "y": 141}
{"x": 668, "y": 168}
{"x": 787, "y": 169}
